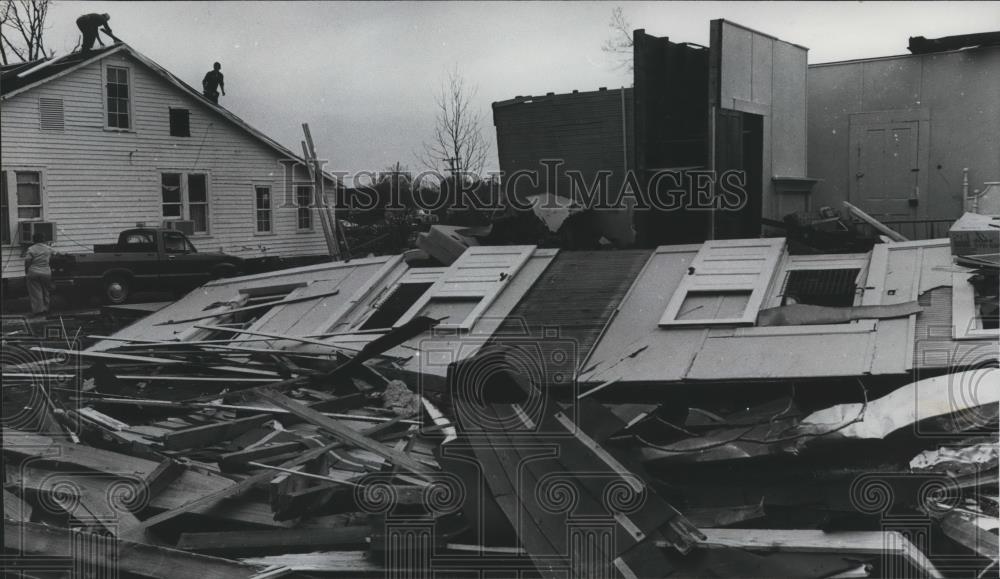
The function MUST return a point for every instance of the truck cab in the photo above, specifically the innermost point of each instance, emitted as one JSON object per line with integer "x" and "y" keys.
{"x": 142, "y": 259}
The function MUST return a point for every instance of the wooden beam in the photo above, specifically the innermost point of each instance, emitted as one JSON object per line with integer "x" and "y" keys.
{"x": 891, "y": 234}
{"x": 87, "y": 551}
{"x": 241, "y": 541}
{"x": 346, "y": 434}
{"x": 198, "y": 436}
{"x": 163, "y": 476}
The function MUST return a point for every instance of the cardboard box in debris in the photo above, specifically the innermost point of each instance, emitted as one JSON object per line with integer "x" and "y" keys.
{"x": 522, "y": 412}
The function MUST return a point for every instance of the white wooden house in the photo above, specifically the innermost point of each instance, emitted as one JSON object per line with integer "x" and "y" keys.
{"x": 97, "y": 143}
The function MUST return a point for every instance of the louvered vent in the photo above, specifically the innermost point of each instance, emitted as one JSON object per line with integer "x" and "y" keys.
{"x": 50, "y": 112}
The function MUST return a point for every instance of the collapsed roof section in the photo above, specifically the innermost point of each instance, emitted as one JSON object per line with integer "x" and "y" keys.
{"x": 712, "y": 312}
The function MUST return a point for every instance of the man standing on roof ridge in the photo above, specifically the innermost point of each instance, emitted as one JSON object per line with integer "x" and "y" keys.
{"x": 212, "y": 82}
{"x": 90, "y": 25}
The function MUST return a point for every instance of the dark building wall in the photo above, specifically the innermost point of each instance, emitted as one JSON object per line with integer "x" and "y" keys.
{"x": 948, "y": 99}
{"x": 589, "y": 132}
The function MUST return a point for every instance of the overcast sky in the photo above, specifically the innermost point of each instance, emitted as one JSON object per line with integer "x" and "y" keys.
{"x": 364, "y": 74}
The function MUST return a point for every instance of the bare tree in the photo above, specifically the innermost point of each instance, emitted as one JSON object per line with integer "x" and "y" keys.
{"x": 619, "y": 43}
{"x": 22, "y": 23}
{"x": 458, "y": 143}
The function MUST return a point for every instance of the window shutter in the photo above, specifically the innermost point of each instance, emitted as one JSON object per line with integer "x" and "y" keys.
{"x": 726, "y": 283}
{"x": 480, "y": 272}
{"x": 50, "y": 114}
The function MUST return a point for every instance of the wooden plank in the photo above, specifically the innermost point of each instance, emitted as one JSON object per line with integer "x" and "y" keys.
{"x": 232, "y": 461}
{"x": 88, "y": 551}
{"x": 342, "y": 537}
{"x": 860, "y": 214}
{"x": 811, "y": 541}
{"x": 14, "y": 508}
{"x": 345, "y": 434}
{"x": 270, "y": 304}
{"x": 206, "y": 434}
{"x": 163, "y": 476}
{"x": 351, "y": 563}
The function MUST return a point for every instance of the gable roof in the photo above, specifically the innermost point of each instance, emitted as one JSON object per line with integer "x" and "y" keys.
{"x": 12, "y": 85}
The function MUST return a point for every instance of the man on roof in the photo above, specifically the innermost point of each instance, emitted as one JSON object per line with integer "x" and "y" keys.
{"x": 90, "y": 25}
{"x": 212, "y": 82}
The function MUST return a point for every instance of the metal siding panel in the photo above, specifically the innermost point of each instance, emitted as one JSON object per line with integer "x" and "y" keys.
{"x": 802, "y": 356}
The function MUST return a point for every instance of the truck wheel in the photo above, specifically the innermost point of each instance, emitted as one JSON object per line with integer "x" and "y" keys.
{"x": 117, "y": 289}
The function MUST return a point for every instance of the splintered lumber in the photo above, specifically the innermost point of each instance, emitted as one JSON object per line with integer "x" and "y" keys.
{"x": 271, "y": 304}
{"x": 207, "y": 501}
{"x": 812, "y": 541}
{"x": 90, "y": 552}
{"x": 206, "y": 434}
{"x": 190, "y": 484}
{"x": 345, "y": 434}
{"x": 342, "y": 537}
{"x": 878, "y": 225}
{"x": 149, "y": 360}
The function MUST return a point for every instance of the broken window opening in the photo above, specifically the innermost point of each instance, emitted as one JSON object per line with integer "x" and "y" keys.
{"x": 180, "y": 122}
{"x": 243, "y": 320}
{"x": 397, "y": 303}
{"x": 714, "y": 305}
{"x": 820, "y": 287}
{"x": 986, "y": 301}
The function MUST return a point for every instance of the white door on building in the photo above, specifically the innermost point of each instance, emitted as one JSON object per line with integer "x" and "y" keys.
{"x": 888, "y": 160}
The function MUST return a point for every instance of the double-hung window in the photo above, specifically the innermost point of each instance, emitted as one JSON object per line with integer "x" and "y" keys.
{"x": 118, "y": 95}
{"x": 21, "y": 199}
{"x": 262, "y": 209}
{"x": 184, "y": 196}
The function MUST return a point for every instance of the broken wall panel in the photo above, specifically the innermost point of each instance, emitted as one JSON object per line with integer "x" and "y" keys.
{"x": 764, "y": 76}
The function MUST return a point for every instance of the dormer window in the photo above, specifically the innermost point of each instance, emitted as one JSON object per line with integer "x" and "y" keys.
{"x": 118, "y": 92}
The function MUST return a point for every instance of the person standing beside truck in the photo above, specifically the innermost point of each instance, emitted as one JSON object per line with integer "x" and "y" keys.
{"x": 38, "y": 274}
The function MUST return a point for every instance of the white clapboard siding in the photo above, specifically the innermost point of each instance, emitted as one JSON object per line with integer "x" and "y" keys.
{"x": 96, "y": 182}
{"x": 480, "y": 272}
{"x": 727, "y": 267}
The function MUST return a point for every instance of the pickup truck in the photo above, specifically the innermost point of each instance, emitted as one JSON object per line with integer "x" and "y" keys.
{"x": 143, "y": 259}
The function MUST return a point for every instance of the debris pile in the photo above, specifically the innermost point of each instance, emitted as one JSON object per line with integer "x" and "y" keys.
{"x": 237, "y": 455}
